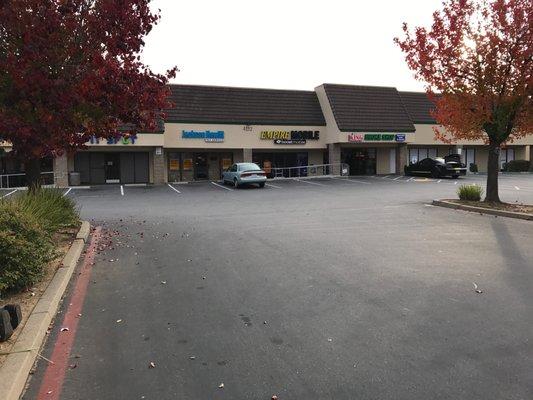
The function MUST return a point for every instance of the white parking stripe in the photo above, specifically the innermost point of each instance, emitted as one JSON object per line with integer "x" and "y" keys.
{"x": 385, "y": 177}
{"x": 398, "y": 177}
{"x": 439, "y": 181}
{"x": 67, "y": 192}
{"x": 351, "y": 180}
{"x": 274, "y": 186}
{"x": 310, "y": 183}
{"x": 9, "y": 194}
{"x": 222, "y": 187}
{"x": 173, "y": 188}
{"x": 517, "y": 188}
{"x": 121, "y": 190}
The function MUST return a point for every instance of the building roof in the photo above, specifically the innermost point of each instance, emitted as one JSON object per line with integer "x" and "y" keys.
{"x": 419, "y": 107}
{"x": 247, "y": 106}
{"x": 368, "y": 108}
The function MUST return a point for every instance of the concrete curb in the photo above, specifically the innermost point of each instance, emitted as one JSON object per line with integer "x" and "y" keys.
{"x": 16, "y": 368}
{"x": 482, "y": 210}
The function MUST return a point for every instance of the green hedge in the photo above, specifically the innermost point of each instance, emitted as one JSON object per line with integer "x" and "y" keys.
{"x": 517, "y": 166}
{"x": 28, "y": 224}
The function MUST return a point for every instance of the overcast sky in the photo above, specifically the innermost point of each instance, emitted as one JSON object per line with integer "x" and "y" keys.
{"x": 292, "y": 44}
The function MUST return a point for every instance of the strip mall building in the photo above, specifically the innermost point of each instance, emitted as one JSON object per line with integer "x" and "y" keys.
{"x": 374, "y": 130}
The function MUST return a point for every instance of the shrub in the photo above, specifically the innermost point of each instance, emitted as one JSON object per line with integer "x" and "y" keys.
{"x": 25, "y": 248}
{"x": 517, "y": 166}
{"x": 53, "y": 210}
{"x": 473, "y": 167}
{"x": 470, "y": 192}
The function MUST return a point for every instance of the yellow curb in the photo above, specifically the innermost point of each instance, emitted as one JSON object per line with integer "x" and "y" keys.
{"x": 16, "y": 368}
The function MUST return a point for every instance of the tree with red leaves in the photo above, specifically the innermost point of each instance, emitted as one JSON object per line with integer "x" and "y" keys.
{"x": 476, "y": 61}
{"x": 70, "y": 70}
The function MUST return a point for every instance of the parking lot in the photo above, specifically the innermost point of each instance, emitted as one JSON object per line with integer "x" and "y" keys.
{"x": 328, "y": 288}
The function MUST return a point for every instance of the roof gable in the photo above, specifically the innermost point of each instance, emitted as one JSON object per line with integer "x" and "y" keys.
{"x": 230, "y": 105}
{"x": 419, "y": 107}
{"x": 368, "y": 108}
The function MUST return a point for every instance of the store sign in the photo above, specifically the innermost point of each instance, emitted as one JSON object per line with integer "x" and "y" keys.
{"x": 290, "y": 137}
{"x": 120, "y": 140}
{"x": 355, "y": 137}
{"x": 207, "y": 136}
{"x": 376, "y": 137}
{"x": 290, "y": 141}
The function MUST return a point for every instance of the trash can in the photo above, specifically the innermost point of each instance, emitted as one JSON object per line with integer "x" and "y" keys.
{"x": 74, "y": 179}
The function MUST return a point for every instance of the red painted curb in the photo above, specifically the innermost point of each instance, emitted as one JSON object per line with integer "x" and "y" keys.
{"x": 54, "y": 375}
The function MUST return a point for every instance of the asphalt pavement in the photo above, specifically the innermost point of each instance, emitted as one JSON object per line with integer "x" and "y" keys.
{"x": 313, "y": 289}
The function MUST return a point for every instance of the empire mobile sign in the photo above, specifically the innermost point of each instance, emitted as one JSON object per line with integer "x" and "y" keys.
{"x": 290, "y": 137}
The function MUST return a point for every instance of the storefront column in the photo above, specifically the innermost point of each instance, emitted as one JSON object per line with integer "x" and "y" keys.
{"x": 401, "y": 158}
{"x": 159, "y": 166}
{"x": 61, "y": 170}
{"x": 527, "y": 153}
{"x": 246, "y": 155}
{"x": 334, "y": 157}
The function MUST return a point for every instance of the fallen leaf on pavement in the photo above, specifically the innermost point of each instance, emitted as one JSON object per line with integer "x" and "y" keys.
{"x": 152, "y": 365}
{"x": 221, "y": 386}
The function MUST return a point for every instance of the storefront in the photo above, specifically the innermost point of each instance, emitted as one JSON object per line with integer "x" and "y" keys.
{"x": 197, "y": 165}
{"x": 98, "y": 168}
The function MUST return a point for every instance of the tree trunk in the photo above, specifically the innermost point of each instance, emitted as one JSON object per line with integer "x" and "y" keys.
{"x": 33, "y": 173}
{"x": 493, "y": 169}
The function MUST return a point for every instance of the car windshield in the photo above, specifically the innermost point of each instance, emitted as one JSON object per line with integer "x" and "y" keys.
{"x": 249, "y": 167}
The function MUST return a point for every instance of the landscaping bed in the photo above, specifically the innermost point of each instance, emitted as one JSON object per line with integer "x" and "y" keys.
{"x": 36, "y": 230}
{"x": 518, "y": 208}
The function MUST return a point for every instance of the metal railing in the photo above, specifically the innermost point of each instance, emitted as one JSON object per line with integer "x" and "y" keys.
{"x": 340, "y": 169}
{"x": 8, "y": 181}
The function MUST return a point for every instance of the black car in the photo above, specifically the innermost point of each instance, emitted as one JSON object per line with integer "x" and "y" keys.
{"x": 437, "y": 167}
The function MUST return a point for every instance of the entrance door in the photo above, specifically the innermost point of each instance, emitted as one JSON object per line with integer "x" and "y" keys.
{"x": 362, "y": 161}
{"x": 201, "y": 166}
{"x": 112, "y": 167}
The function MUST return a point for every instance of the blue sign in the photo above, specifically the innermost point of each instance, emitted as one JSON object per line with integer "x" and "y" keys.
{"x": 113, "y": 140}
{"x": 208, "y": 136}
{"x": 400, "y": 137}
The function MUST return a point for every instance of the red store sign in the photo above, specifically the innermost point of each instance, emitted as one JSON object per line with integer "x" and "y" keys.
{"x": 355, "y": 137}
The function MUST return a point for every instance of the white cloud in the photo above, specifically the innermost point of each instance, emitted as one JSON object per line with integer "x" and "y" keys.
{"x": 293, "y": 44}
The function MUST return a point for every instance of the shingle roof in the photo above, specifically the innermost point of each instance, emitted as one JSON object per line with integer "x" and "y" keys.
{"x": 418, "y": 105}
{"x": 230, "y": 105}
{"x": 368, "y": 108}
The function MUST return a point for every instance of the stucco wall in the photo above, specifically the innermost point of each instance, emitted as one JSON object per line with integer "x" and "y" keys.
{"x": 236, "y": 137}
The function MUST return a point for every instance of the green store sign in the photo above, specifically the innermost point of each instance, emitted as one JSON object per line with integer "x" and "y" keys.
{"x": 379, "y": 137}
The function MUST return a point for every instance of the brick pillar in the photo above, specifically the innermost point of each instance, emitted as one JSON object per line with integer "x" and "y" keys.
{"x": 334, "y": 153}
{"x": 159, "y": 167}
{"x": 247, "y": 155}
{"x": 61, "y": 171}
{"x": 401, "y": 158}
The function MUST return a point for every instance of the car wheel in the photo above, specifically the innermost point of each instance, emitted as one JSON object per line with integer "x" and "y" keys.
{"x": 15, "y": 314}
{"x": 235, "y": 183}
{"x": 262, "y": 185}
{"x": 455, "y": 176}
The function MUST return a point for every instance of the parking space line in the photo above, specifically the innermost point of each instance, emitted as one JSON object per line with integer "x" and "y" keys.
{"x": 517, "y": 188}
{"x": 121, "y": 190}
{"x": 398, "y": 177}
{"x": 439, "y": 181}
{"x": 67, "y": 192}
{"x": 222, "y": 187}
{"x": 310, "y": 183}
{"x": 352, "y": 180}
{"x": 173, "y": 188}
{"x": 386, "y": 176}
{"x": 9, "y": 194}
{"x": 274, "y": 186}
